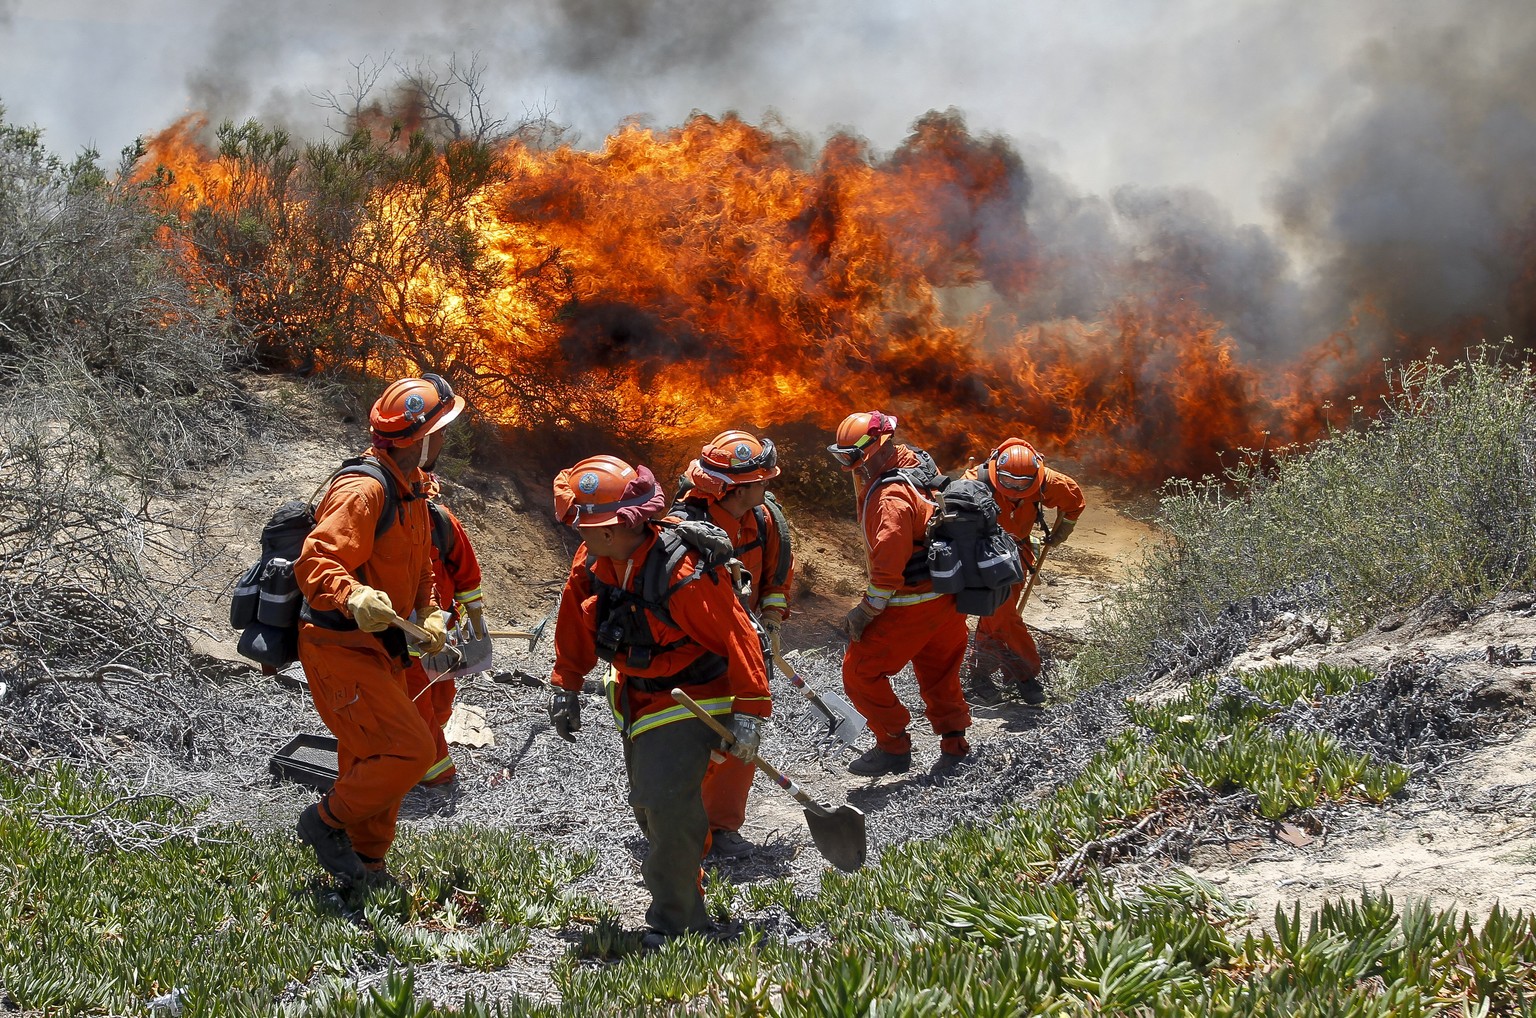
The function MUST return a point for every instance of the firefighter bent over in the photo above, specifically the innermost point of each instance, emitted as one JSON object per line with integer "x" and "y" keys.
{"x": 1024, "y": 487}
{"x": 728, "y": 486}
{"x": 357, "y": 571}
{"x": 641, "y": 598}
{"x": 900, "y": 619}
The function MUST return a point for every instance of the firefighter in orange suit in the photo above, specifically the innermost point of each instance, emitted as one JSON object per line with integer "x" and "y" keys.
{"x": 899, "y": 619}
{"x": 693, "y": 632}
{"x": 353, "y": 585}
{"x": 728, "y": 486}
{"x": 1024, "y": 487}
{"x": 456, "y": 569}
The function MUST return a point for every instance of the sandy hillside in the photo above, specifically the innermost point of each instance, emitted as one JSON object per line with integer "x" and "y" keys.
{"x": 1459, "y": 834}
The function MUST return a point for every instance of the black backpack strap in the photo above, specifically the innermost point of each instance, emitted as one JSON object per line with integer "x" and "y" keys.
{"x": 370, "y": 467}
{"x": 443, "y": 537}
{"x": 781, "y": 527}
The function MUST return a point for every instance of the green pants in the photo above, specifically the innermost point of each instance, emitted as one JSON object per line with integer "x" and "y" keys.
{"x": 666, "y": 772}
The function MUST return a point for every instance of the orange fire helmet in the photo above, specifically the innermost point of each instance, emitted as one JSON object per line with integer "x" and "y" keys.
{"x": 1016, "y": 467}
{"x": 859, "y": 435}
{"x": 740, "y": 459}
{"x": 413, "y": 408}
{"x": 603, "y": 490}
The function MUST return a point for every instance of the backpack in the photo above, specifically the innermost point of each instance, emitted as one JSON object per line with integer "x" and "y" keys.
{"x": 621, "y": 614}
{"x": 266, "y": 604}
{"x": 969, "y": 553}
{"x": 769, "y": 511}
{"x": 964, "y": 550}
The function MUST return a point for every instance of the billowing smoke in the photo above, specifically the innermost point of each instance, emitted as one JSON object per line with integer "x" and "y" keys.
{"x": 1417, "y": 197}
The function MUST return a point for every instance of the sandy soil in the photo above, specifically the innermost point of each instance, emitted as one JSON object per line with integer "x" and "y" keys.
{"x": 1462, "y": 834}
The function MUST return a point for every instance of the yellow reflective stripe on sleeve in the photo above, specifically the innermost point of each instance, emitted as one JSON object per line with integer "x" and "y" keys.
{"x": 915, "y": 598}
{"x": 438, "y": 768}
{"x": 466, "y": 596}
{"x": 775, "y": 601}
{"x": 714, "y": 705}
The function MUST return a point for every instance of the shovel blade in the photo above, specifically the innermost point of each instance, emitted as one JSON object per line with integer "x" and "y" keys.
{"x": 839, "y": 835}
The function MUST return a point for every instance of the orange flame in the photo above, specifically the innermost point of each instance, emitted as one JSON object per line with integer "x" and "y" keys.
{"x": 719, "y": 274}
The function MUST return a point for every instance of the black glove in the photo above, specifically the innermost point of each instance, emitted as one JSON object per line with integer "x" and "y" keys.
{"x": 565, "y": 713}
{"x": 748, "y": 730}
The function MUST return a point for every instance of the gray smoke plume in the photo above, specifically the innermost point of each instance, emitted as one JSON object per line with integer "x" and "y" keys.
{"x": 1288, "y": 166}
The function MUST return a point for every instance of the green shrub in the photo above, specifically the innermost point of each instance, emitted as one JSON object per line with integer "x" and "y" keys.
{"x": 1433, "y": 497}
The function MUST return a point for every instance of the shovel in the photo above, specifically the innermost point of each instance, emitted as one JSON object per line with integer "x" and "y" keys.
{"x": 843, "y": 720}
{"x": 838, "y": 833}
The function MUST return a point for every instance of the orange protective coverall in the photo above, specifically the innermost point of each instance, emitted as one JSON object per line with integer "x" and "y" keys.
{"x": 917, "y": 625}
{"x": 729, "y": 781}
{"x": 707, "y": 613}
{"x": 1002, "y": 639}
{"x": 458, "y": 583}
{"x": 383, "y": 745}
{"x": 712, "y": 619}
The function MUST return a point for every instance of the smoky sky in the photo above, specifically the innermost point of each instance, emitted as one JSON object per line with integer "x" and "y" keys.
{"x": 1283, "y": 162}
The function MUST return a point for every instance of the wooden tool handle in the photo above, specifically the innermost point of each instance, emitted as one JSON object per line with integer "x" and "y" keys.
{"x": 722, "y": 731}
{"x": 411, "y": 629}
{"x": 511, "y": 634}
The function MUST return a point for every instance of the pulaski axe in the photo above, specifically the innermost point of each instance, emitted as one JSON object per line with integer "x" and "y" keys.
{"x": 533, "y": 636}
{"x": 843, "y": 720}
{"x": 838, "y": 833}
{"x": 463, "y": 654}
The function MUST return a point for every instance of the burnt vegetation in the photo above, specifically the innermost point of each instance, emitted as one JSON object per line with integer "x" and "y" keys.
{"x": 132, "y": 313}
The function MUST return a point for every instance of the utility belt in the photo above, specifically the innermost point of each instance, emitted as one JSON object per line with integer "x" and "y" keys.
{"x": 392, "y": 639}
{"x": 707, "y": 668}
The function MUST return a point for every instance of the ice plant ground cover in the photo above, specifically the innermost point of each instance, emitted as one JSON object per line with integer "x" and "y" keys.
{"x": 108, "y": 901}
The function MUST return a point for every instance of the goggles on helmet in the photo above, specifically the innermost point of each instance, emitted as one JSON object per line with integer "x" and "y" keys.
{"x": 768, "y": 459}
{"x": 852, "y": 455}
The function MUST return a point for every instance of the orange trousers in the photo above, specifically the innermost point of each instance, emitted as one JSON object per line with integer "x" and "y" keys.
{"x": 1003, "y": 641}
{"x": 931, "y": 636}
{"x": 435, "y": 706}
{"x": 383, "y": 745}
{"x": 726, "y": 787}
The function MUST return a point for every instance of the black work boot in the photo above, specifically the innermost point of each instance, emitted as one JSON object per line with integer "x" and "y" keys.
{"x": 1031, "y": 691}
{"x": 877, "y": 761}
{"x": 983, "y": 690}
{"x": 333, "y": 847}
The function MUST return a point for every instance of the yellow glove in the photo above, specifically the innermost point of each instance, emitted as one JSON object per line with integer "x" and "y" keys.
{"x": 772, "y": 618}
{"x": 474, "y": 612}
{"x": 370, "y": 609}
{"x": 1060, "y": 532}
{"x": 437, "y": 629}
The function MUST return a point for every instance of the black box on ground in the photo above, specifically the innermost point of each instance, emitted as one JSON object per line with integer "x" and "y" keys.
{"x": 307, "y": 760}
